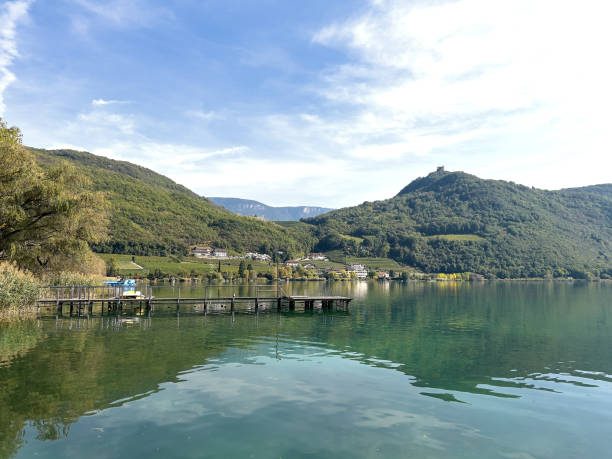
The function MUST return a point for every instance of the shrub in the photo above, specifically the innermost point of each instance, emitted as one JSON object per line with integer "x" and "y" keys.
{"x": 69, "y": 279}
{"x": 19, "y": 289}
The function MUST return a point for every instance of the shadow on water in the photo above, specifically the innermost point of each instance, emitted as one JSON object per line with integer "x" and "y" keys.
{"x": 495, "y": 339}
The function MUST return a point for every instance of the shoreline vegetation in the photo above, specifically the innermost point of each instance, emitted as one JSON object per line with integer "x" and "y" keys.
{"x": 20, "y": 289}
{"x": 48, "y": 219}
{"x": 57, "y": 208}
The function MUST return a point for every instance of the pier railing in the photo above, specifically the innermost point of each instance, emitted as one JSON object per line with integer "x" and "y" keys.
{"x": 98, "y": 292}
{"x": 115, "y": 298}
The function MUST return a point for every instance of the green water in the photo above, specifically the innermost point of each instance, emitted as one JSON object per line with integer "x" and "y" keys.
{"x": 424, "y": 370}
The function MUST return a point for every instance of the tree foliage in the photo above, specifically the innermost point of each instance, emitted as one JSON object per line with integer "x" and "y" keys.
{"x": 47, "y": 217}
{"x": 455, "y": 222}
{"x": 152, "y": 215}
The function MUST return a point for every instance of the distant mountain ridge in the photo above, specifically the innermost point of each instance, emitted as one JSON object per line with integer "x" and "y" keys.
{"x": 257, "y": 209}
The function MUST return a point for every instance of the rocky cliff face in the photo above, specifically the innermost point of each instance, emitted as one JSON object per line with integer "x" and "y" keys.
{"x": 258, "y": 209}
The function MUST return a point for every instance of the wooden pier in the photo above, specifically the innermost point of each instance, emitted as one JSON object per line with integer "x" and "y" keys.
{"x": 82, "y": 300}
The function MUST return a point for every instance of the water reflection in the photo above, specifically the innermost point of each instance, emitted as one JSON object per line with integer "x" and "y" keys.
{"x": 379, "y": 368}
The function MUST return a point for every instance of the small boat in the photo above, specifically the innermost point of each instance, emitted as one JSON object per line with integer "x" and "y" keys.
{"x": 132, "y": 295}
{"x": 128, "y": 321}
{"x": 129, "y": 288}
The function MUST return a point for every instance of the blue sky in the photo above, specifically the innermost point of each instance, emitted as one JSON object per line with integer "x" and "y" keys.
{"x": 319, "y": 103}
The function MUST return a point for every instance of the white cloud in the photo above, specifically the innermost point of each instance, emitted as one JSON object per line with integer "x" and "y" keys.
{"x": 436, "y": 78}
{"x": 176, "y": 160}
{"x": 124, "y": 13}
{"x": 108, "y": 102}
{"x": 514, "y": 90}
{"x": 203, "y": 115}
{"x": 101, "y": 120}
{"x": 11, "y": 14}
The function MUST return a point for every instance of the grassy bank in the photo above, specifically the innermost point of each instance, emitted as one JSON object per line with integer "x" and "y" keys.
{"x": 338, "y": 257}
{"x": 190, "y": 267}
{"x": 143, "y": 266}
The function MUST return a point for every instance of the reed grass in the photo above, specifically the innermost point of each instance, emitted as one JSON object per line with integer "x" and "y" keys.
{"x": 19, "y": 289}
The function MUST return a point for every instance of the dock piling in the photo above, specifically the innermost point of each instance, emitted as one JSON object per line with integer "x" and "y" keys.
{"x": 84, "y": 298}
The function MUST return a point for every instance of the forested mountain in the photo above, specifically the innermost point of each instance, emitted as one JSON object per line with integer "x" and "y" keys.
{"x": 152, "y": 215}
{"x": 455, "y": 222}
{"x": 446, "y": 222}
{"x": 258, "y": 209}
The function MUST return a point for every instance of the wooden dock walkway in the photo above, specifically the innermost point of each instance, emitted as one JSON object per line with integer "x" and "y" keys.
{"x": 84, "y": 299}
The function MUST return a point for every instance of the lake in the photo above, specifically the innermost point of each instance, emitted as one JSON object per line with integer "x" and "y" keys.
{"x": 425, "y": 370}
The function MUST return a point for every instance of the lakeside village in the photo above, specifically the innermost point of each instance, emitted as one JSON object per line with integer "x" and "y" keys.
{"x": 304, "y": 268}
{"x": 206, "y": 263}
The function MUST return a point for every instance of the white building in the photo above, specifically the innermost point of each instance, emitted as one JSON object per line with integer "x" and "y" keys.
{"x": 258, "y": 256}
{"x": 317, "y": 256}
{"x": 201, "y": 252}
{"x": 360, "y": 270}
{"x": 221, "y": 253}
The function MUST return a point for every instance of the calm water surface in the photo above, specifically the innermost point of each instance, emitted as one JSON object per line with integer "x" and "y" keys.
{"x": 426, "y": 370}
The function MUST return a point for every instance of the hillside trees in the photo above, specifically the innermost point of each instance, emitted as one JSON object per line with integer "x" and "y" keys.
{"x": 152, "y": 215}
{"x": 47, "y": 217}
{"x": 452, "y": 222}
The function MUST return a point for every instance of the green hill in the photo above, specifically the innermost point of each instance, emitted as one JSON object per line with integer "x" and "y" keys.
{"x": 456, "y": 222}
{"x": 152, "y": 215}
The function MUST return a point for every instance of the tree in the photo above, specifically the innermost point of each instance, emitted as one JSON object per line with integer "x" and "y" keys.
{"x": 47, "y": 217}
{"x": 111, "y": 267}
{"x": 241, "y": 268}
